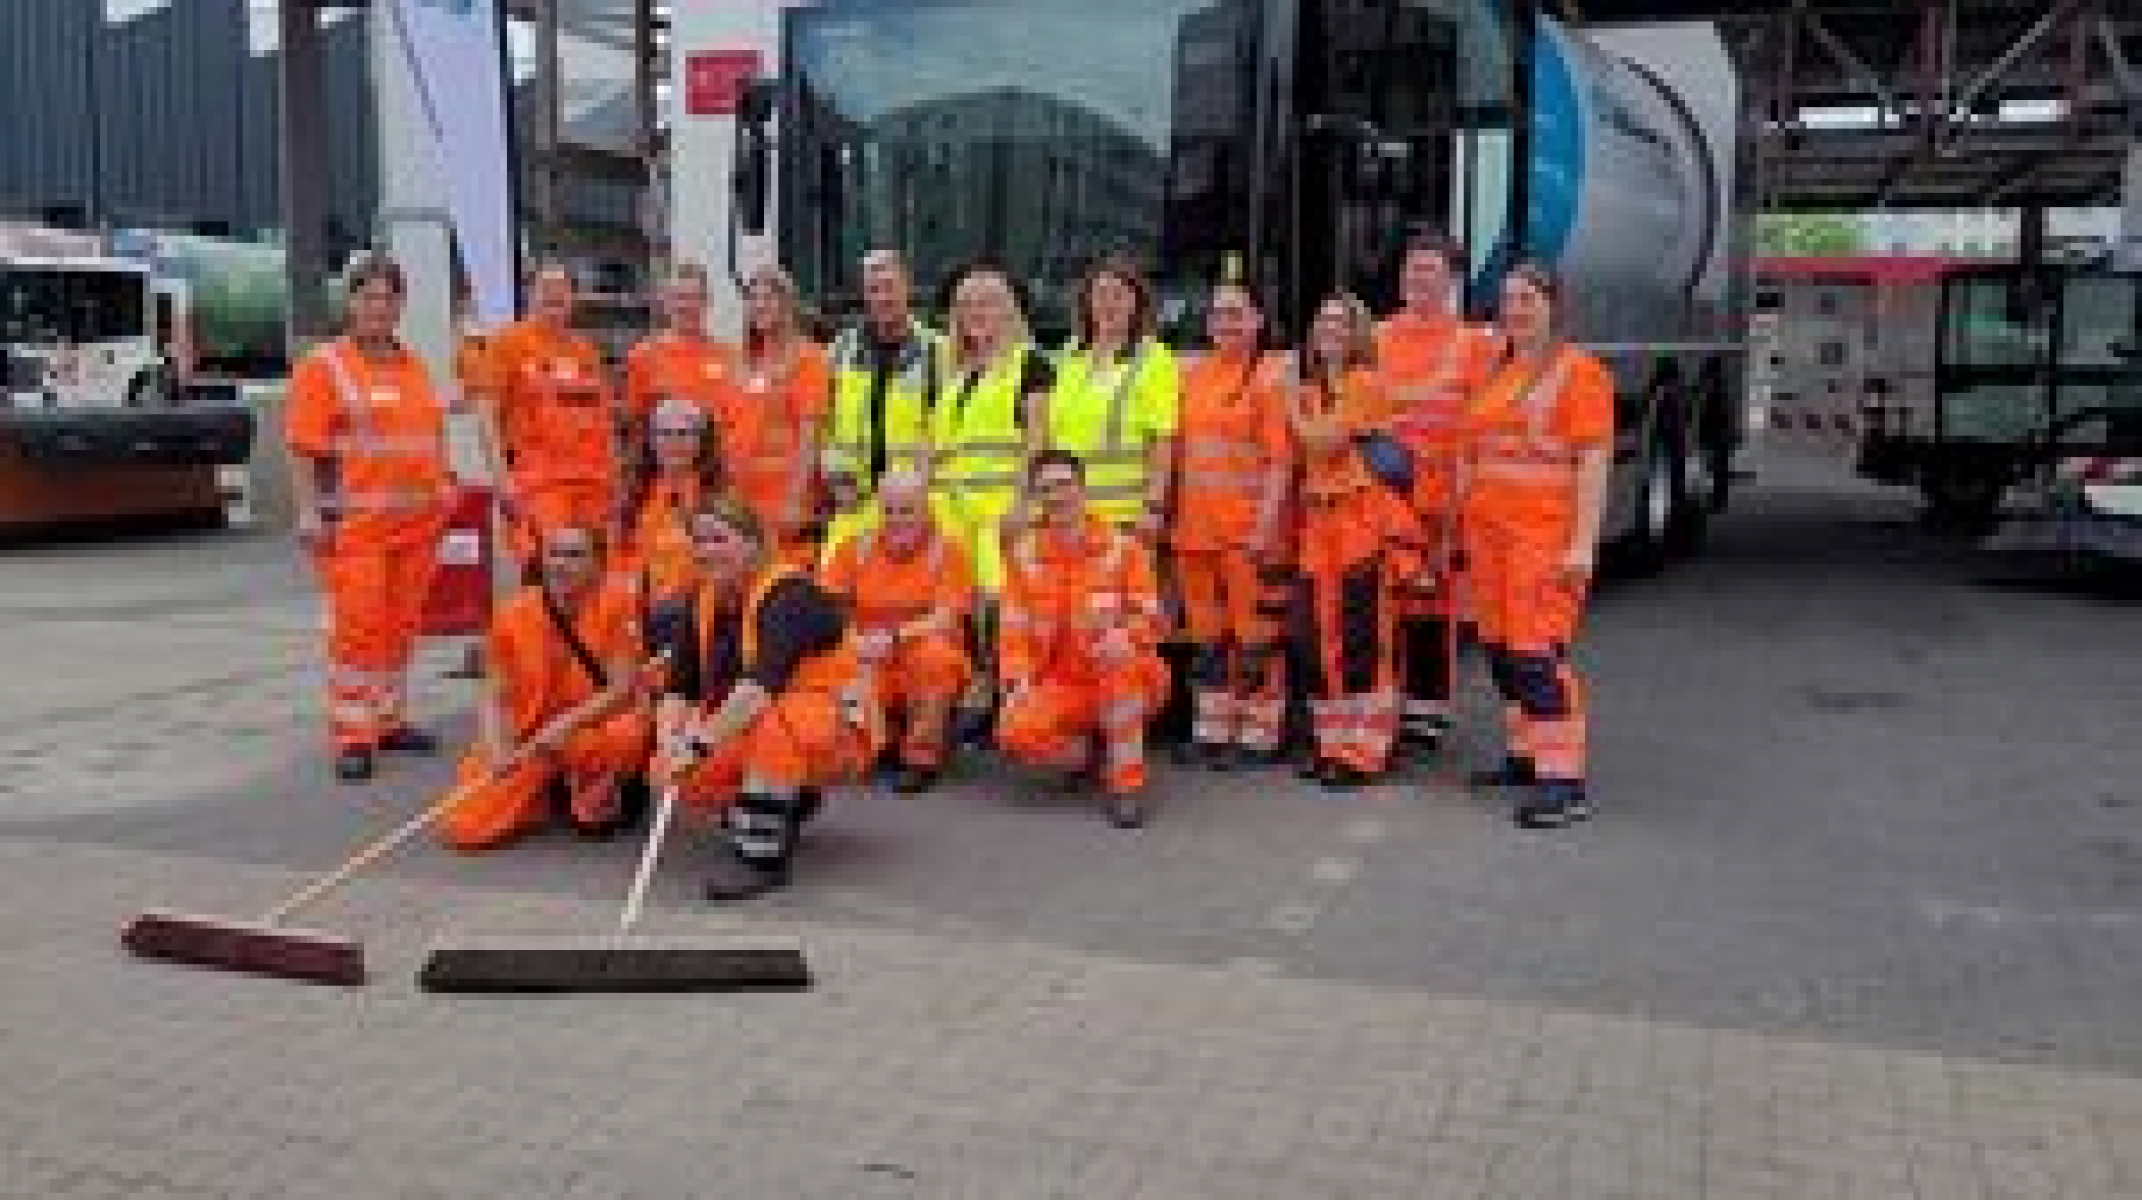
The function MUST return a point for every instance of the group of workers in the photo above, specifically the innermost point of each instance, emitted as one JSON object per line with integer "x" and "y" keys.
{"x": 757, "y": 568}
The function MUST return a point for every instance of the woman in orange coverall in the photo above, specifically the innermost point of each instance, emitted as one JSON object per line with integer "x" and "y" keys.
{"x": 770, "y": 431}
{"x": 1359, "y": 542}
{"x": 1542, "y": 437}
{"x": 565, "y": 723}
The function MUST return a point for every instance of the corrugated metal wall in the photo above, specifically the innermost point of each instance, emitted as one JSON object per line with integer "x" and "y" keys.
{"x": 166, "y": 119}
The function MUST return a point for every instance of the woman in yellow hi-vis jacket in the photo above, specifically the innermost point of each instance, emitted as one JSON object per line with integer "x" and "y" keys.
{"x": 1116, "y": 400}
{"x": 982, "y": 432}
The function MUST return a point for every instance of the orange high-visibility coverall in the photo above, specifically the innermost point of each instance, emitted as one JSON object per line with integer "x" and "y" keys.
{"x": 1066, "y": 596}
{"x": 768, "y": 443}
{"x": 1233, "y": 435}
{"x": 537, "y": 677}
{"x": 558, "y": 422}
{"x": 1520, "y": 511}
{"x": 923, "y": 601}
{"x": 821, "y": 726}
{"x": 1431, "y": 365}
{"x": 700, "y": 371}
{"x": 1359, "y": 543}
{"x": 657, "y": 551}
{"x": 378, "y": 432}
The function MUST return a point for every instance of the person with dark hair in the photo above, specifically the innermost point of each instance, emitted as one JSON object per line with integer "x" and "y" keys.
{"x": 563, "y": 727}
{"x": 1116, "y": 400}
{"x": 1430, "y": 359}
{"x": 766, "y": 702}
{"x": 1358, "y": 540}
{"x": 367, "y": 438}
{"x": 678, "y": 466}
{"x": 1231, "y": 552}
{"x": 1078, "y": 651}
{"x": 1542, "y": 432}
{"x": 550, "y": 418}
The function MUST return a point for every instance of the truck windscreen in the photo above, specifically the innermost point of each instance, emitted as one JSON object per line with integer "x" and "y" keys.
{"x": 45, "y": 305}
{"x": 1038, "y": 133}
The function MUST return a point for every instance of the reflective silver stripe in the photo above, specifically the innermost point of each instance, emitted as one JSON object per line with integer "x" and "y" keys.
{"x": 994, "y": 479}
{"x": 981, "y": 447}
{"x": 1545, "y": 474}
{"x": 1244, "y": 480}
{"x": 1112, "y": 491}
{"x": 1123, "y": 712}
{"x": 375, "y": 502}
{"x": 386, "y": 445}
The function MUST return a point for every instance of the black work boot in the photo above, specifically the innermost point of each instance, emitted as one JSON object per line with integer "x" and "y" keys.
{"x": 410, "y": 740}
{"x": 1556, "y": 803}
{"x": 1514, "y": 772}
{"x": 912, "y": 781}
{"x": 355, "y": 764}
{"x": 737, "y": 878}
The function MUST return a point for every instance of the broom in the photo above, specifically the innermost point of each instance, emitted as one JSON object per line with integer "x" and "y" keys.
{"x": 620, "y": 961}
{"x": 267, "y": 946}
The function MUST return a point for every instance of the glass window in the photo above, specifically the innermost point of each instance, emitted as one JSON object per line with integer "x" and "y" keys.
{"x": 1993, "y": 322}
{"x": 109, "y": 305}
{"x": 32, "y": 306}
{"x": 1038, "y": 133}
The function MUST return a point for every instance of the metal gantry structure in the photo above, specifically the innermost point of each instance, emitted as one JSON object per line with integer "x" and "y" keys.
{"x": 1853, "y": 104}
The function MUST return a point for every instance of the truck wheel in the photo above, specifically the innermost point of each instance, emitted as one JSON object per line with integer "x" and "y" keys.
{"x": 1658, "y": 501}
{"x": 1962, "y": 502}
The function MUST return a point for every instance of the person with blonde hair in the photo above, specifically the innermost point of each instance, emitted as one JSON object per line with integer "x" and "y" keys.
{"x": 770, "y": 428}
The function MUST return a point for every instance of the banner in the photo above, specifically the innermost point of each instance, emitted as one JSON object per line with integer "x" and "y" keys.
{"x": 446, "y": 150}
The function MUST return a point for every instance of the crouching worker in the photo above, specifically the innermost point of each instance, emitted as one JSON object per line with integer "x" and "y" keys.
{"x": 564, "y": 726}
{"x": 766, "y": 702}
{"x": 1077, "y": 643}
{"x": 908, "y": 590}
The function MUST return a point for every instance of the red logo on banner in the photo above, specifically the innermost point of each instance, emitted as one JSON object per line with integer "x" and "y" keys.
{"x": 714, "y": 82}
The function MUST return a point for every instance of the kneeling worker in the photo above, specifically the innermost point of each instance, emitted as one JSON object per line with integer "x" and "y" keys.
{"x": 909, "y": 593}
{"x": 1081, "y": 621}
{"x": 564, "y": 724}
{"x": 766, "y": 701}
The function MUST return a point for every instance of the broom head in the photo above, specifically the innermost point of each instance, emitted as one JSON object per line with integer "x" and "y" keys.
{"x": 208, "y": 941}
{"x": 614, "y": 963}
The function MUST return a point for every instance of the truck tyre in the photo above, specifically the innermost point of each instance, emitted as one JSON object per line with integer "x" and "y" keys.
{"x": 1658, "y": 500}
{"x": 1961, "y": 501}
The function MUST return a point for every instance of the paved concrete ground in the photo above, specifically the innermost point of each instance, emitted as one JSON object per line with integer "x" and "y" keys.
{"x": 1870, "y": 826}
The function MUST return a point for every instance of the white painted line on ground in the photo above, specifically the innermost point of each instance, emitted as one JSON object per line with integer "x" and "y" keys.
{"x": 1362, "y": 831}
{"x": 1335, "y": 872}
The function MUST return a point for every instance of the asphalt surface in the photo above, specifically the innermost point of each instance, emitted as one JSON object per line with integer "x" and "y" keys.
{"x": 1857, "y": 781}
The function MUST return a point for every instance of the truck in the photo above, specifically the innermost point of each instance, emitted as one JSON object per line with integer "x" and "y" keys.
{"x": 1970, "y": 382}
{"x": 1299, "y": 141}
{"x": 101, "y": 416}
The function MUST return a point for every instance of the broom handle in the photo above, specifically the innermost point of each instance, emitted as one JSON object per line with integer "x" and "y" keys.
{"x": 665, "y": 808}
{"x": 360, "y": 860}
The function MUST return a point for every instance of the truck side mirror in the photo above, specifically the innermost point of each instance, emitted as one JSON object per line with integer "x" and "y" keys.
{"x": 752, "y": 177}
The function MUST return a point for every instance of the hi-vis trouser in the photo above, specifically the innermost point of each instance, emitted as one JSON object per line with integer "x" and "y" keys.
{"x": 376, "y": 576}
{"x": 1234, "y": 611}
